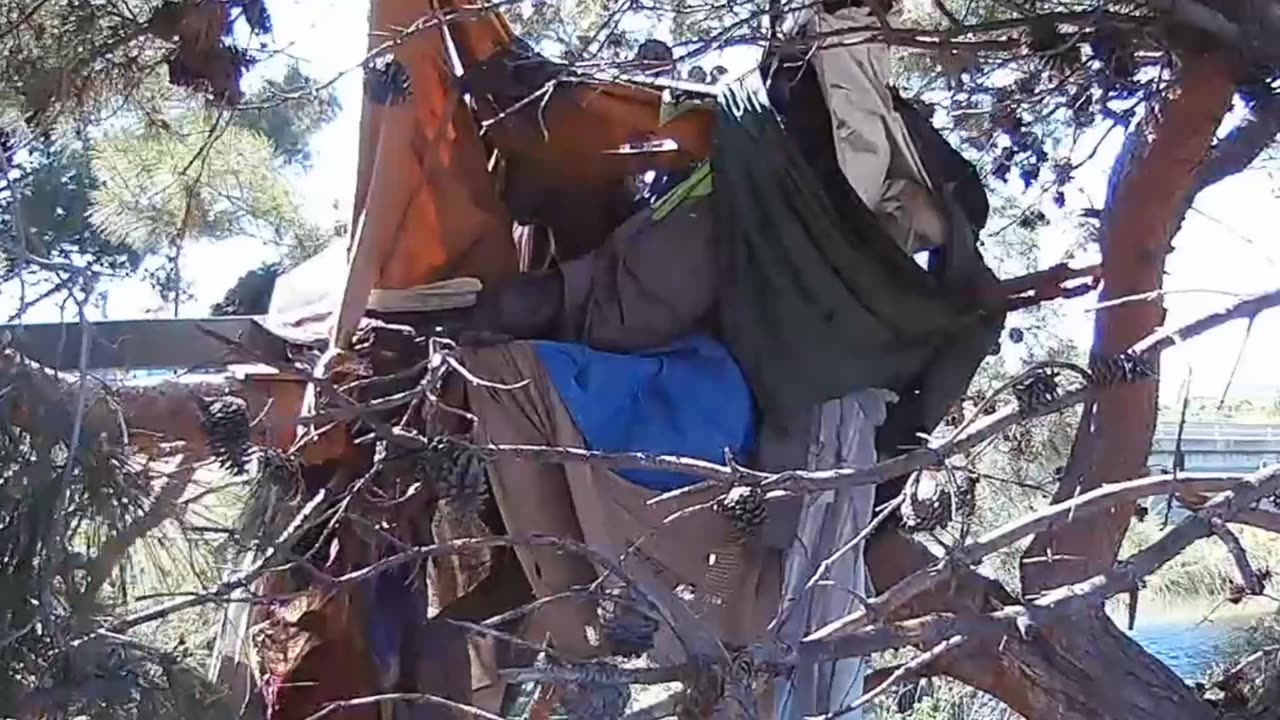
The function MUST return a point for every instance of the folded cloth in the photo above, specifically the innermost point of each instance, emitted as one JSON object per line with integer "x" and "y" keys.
{"x": 688, "y": 398}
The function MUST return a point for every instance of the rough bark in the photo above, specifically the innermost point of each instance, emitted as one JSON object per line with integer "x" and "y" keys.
{"x": 1088, "y": 668}
{"x": 1151, "y": 184}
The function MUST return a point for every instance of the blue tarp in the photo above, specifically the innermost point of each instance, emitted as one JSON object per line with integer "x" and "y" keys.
{"x": 688, "y": 398}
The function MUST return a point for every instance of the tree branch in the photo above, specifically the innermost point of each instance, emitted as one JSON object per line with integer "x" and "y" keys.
{"x": 1080, "y": 507}
{"x": 287, "y": 537}
{"x": 695, "y": 637}
{"x": 1261, "y": 519}
{"x": 907, "y": 672}
{"x": 1235, "y": 152}
{"x": 413, "y": 698}
{"x": 1249, "y": 579}
{"x": 1041, "y": 286}
{"x": 1126, "y": 574}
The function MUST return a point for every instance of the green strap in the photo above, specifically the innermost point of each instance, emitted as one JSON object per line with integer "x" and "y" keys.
{"x": 697, "y": 185}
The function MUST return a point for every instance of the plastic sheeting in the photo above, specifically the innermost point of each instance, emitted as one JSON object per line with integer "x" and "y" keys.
{"x": 688, "y": 399}
{"x": 843, "y": 435}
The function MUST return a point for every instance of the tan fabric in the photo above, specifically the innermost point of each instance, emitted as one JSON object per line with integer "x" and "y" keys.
{"x": 911, "y": 215}
{"x": 652, "y": 281}
{"x": 608, "y": 513}
{"x": 872, "y": 145}
{"x": 649, "y": 283}
{"x": 425, "y": 205}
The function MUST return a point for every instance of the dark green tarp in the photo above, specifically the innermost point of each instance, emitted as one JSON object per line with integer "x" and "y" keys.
{"x": 818, "y": 299}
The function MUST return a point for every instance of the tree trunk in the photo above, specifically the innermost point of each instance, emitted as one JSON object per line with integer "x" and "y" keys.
{"x": 1084, "y": 669}
{"x": 1151, "y": 184}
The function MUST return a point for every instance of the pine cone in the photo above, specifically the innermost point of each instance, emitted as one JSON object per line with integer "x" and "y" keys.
{"x": 1036, "y": 392}
{"x": 278, "y": 468}
{"x": 745, "y": 507}
{"x": 1236, "y": 593}
{"x": 226, "y": 422}
{"x": 457, "y": 471}
{"x": 584, "y": 701}
{"x": 926, "y": 505}
{"x": 627, "y": 630}
{"x": 1126, "y": 367}
{"x": 387, "y": 81}
{"x": 392, "y": 462}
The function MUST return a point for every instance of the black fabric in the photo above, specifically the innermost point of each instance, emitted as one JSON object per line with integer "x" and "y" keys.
{"x": 945, "y": 166}
{"x": 817, "y": 299}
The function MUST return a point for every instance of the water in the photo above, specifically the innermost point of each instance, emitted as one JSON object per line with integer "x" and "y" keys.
{"x": 1189, "y": 644}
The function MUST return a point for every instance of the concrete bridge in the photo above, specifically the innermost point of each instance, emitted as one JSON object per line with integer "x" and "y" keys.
{"x": 1217, "y": 446}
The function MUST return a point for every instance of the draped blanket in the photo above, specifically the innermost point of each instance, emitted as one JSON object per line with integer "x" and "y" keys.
{"x": 818, "y": 300}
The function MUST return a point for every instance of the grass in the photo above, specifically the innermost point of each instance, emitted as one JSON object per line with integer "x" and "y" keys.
{"x": 941, "y": 699}
{"x": 1205, "y": 571}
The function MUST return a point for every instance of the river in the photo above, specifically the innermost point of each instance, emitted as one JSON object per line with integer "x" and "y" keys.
{"x": 1192, "y": 640}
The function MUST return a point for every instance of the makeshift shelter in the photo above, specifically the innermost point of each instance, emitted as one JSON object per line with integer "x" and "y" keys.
{"x": 822, "y": 301}
{"x": 465, "y": 133}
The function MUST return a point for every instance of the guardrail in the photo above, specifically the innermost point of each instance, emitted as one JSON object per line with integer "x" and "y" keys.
{"x": 1219, "y": 430}
{"x": 1222, "y": 446}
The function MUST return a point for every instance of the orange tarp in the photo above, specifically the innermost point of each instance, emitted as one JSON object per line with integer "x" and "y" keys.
{"x": 572, "y": 136}
{"x": 426, "y": 206}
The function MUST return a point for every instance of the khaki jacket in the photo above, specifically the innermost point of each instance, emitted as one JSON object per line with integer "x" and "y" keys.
{"x": 872, "y": 145}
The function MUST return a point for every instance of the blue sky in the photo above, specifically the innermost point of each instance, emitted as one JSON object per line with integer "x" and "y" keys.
{"x": 1228, "y": 244}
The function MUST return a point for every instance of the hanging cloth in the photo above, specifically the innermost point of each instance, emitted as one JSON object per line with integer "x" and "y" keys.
{"x": 842, "y": 436}
{"x": 817, "y": 298}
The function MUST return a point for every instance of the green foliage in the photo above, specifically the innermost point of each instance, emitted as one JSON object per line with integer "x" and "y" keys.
{"x": 288, "y": 111}
{"x": 56, "y": 182}
{"x": 62, "y": 61}
{"x": 73, "y": 516}
{"x": 112, "y": 168}
{"x": 198, "y": 177}
{"x": 109, "y": 197}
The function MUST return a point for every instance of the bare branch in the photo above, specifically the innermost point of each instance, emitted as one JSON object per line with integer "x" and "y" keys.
{"x": 1247, "y": 308}
{"x": 1242, "y": 145}
{"x": 692, "y": 634}
{"x": 1197, "y": 15}
{"x": 625, "y": 461}
{"x": 597, "y": 673}
{"x": 225, "y": 588}
{"x": 1261, "y": 519}
{"x": 1249, "y": 579}
{"x": 825, "y": 566}
{"x": 1085, "y": 505}
{"x": 907, "y": 672}
{"x": 413, "y": 698}
{"x": 1128, "y": 573}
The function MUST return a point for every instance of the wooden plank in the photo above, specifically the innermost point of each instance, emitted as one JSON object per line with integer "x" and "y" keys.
{"x": 145, "y": 344}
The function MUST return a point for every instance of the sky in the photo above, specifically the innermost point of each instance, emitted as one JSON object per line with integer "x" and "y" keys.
{"x": 1227, "y": 247}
